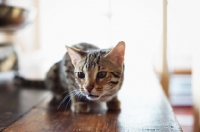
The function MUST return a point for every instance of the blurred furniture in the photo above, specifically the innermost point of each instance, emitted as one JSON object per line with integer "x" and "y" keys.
{"x": 12, "y": 19}
{"x": 8, "y": 57}
{"x": 196, "y": 87}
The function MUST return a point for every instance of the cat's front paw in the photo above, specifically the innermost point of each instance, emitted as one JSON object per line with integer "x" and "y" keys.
{"x": 80, "y": 107}
{"x": 114, "y": 104}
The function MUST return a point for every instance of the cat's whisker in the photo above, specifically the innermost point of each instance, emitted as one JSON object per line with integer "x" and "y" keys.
{"x": 64, "y": 92}
{"x": 80, "y": 95}
{"x": 71, "y": 96}
{"x": 67, "y": 104}
{"x": 65, "y": 98}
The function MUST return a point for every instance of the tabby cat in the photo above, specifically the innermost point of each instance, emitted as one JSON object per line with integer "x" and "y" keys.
{"x": 87, "y": 73}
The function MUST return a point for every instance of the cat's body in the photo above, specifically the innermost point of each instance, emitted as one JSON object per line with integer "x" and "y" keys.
{"x": 88, "y": 73}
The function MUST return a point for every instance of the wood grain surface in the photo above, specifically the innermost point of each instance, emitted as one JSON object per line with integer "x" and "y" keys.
{"x": 144, "y": 107}
{"x": 15, "y": 102}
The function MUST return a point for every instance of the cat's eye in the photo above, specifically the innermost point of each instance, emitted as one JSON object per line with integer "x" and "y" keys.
{"x": 81, "y": 75}
{"x": 101, "y": 74}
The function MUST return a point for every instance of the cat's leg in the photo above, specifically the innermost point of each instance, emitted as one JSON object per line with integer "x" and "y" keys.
{"x": 79, "y": 106}
{"x": 113, "y": 104}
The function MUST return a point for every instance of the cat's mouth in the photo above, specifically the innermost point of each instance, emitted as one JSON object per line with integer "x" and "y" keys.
{"x": 98, "y": 97}
{"x": 93, "y": 97}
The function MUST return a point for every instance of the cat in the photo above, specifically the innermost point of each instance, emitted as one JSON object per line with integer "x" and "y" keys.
{"x": 87, "y": 73}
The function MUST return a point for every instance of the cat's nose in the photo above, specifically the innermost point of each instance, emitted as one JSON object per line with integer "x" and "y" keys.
{"x": 89, "y": 88}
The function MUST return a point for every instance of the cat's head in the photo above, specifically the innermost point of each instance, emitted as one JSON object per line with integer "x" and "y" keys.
{"x": 98, "y": 73}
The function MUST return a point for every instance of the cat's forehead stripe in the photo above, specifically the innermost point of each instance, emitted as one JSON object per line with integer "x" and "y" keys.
{"x": 93, "y": 58}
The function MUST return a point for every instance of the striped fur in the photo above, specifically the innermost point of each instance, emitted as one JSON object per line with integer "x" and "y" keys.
{"x": 67, "y": 77}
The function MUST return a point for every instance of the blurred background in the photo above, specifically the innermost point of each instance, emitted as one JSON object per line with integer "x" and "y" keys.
{"x": 39, "y": 41}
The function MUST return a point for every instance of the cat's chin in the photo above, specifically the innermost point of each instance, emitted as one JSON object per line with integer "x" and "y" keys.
{"x": 105, "y": 98}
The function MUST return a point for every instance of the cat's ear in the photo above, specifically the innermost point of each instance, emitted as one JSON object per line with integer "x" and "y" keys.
{"x": 116, "y": 55}
{"x": 75, "y": 54}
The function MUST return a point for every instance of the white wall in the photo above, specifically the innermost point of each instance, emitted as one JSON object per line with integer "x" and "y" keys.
{"x": 138, "y": 23}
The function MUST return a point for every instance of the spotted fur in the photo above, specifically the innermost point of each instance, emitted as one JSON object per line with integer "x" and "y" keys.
{"x": 88, "y": 73}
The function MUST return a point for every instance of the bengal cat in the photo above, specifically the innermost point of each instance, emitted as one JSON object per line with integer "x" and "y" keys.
{"x": 88, "y": 73}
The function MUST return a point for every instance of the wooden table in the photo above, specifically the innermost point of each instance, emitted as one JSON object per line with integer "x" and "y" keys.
{"x": 144, "y": 108}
